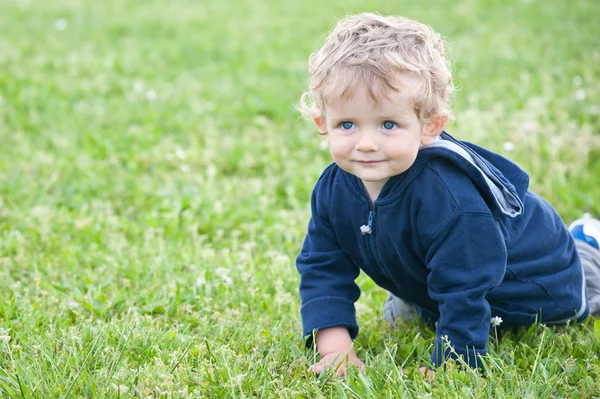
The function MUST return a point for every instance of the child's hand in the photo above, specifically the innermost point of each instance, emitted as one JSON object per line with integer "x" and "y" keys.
{"x": 428, "y": 373}
{"x": 338, "y": 362}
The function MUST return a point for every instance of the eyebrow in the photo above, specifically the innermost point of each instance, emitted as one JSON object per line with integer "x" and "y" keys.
{"x": 393, "y": 118}
{"x": 336, "y": 121}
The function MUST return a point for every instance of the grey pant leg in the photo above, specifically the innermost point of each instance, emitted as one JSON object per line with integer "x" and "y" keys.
{"x": 590, "y": 262}
{"x": 395, "y": 308}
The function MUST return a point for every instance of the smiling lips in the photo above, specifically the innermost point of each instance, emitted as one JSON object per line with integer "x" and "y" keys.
{"x": 369, "y": 162}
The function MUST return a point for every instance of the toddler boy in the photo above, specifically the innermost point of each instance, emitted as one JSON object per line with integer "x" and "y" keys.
{"x": 448, "y": 228}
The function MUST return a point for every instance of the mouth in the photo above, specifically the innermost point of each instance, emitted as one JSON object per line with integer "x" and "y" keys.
{"x": 370, "y": 162}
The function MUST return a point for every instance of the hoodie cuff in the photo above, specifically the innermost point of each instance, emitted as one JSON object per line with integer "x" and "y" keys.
{"x": 443, "y": 351}
{"x": 328, "y": 312}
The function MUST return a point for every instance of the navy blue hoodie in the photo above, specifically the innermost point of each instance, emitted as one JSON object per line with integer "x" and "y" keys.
{"x": 458, "y": 234}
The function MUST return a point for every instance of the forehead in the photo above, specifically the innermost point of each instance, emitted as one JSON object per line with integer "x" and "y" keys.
{"x": 362, "y": 100}
{"x": 371, "y": 93}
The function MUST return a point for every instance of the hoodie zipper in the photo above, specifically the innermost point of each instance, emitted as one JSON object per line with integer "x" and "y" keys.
{"x": 367, "y": 231}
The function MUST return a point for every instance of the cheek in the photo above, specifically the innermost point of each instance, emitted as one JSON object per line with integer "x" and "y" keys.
{"x": 338, "y": 146}
{"x": 335, "y": 151}
{"x": 405, "y": 152}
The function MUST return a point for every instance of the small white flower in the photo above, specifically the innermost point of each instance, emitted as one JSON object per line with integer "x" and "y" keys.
{"x": 151, "y": 95}
{"x": 72, "y": 304}
{"x": 579, "y": 95}
{"x": 138, "y": 87}
{"x": 508, "y": 146}
{"x": 364, "y": 229}
{"x": 121, "y": 388}
{"x": 180, "y": 152}
{"x": 211, "y": 171}
{"x": 529, "y": 127}
{"x": 496, "y": 321}
{"x": 323, "y": 145}
{"x": 4, "y": 335}
{"x": 222, "y": 272}
{"x": 60, "y": 24}
{"x": 227, "y": 280}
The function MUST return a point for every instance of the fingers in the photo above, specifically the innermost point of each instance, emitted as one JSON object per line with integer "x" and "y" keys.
{"x": 317, "y": 368}
{"x": 340, "y": 368}
{"x": 320, "y": 368}
{"x": 427, "y": 373}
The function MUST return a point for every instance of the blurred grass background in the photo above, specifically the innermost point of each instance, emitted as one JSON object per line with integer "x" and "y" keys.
{"x": 155, "y": 183}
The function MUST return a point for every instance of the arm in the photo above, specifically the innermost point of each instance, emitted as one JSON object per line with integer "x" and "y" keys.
{"x": 327, "y": 288}
{"x": 467, "y": 259}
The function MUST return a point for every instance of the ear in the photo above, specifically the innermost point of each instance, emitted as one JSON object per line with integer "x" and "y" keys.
{"x": 320, "y": 124}
{"x": 433, "y": 129}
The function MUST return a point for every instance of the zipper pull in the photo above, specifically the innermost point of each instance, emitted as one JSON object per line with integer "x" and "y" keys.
{"x": 368, "y": 228}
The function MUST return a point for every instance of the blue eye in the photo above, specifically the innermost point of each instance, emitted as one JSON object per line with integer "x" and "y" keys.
{"x": 347, "y": 125}
{"x": 389, "y": 125}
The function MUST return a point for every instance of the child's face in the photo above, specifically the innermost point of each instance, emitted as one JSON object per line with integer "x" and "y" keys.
{"x": 373, "y": 140}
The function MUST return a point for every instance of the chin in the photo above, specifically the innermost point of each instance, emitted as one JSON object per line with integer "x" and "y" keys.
{"x": 372, "y": 179}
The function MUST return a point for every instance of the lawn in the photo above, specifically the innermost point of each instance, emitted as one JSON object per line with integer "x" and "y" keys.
{"x": 155, "y": 184}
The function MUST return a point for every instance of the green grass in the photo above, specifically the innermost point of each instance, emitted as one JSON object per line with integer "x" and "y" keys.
{"x": 155, "y": 184}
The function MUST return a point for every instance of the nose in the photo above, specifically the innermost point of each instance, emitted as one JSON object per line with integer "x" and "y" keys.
{"x": 367, "y": 141}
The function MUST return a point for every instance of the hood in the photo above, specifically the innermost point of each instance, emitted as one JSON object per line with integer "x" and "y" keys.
{"x": 500, "y": 179}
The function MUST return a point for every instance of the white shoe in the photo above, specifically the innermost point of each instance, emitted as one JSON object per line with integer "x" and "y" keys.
{"x": 586, "y": 229}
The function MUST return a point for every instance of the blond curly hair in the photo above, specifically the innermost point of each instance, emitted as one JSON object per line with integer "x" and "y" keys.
{"x": 369, "y": 50}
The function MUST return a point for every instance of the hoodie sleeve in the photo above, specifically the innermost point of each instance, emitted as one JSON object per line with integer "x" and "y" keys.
{"x": 327, "y": 287}
{"x": 467, "y": 259}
